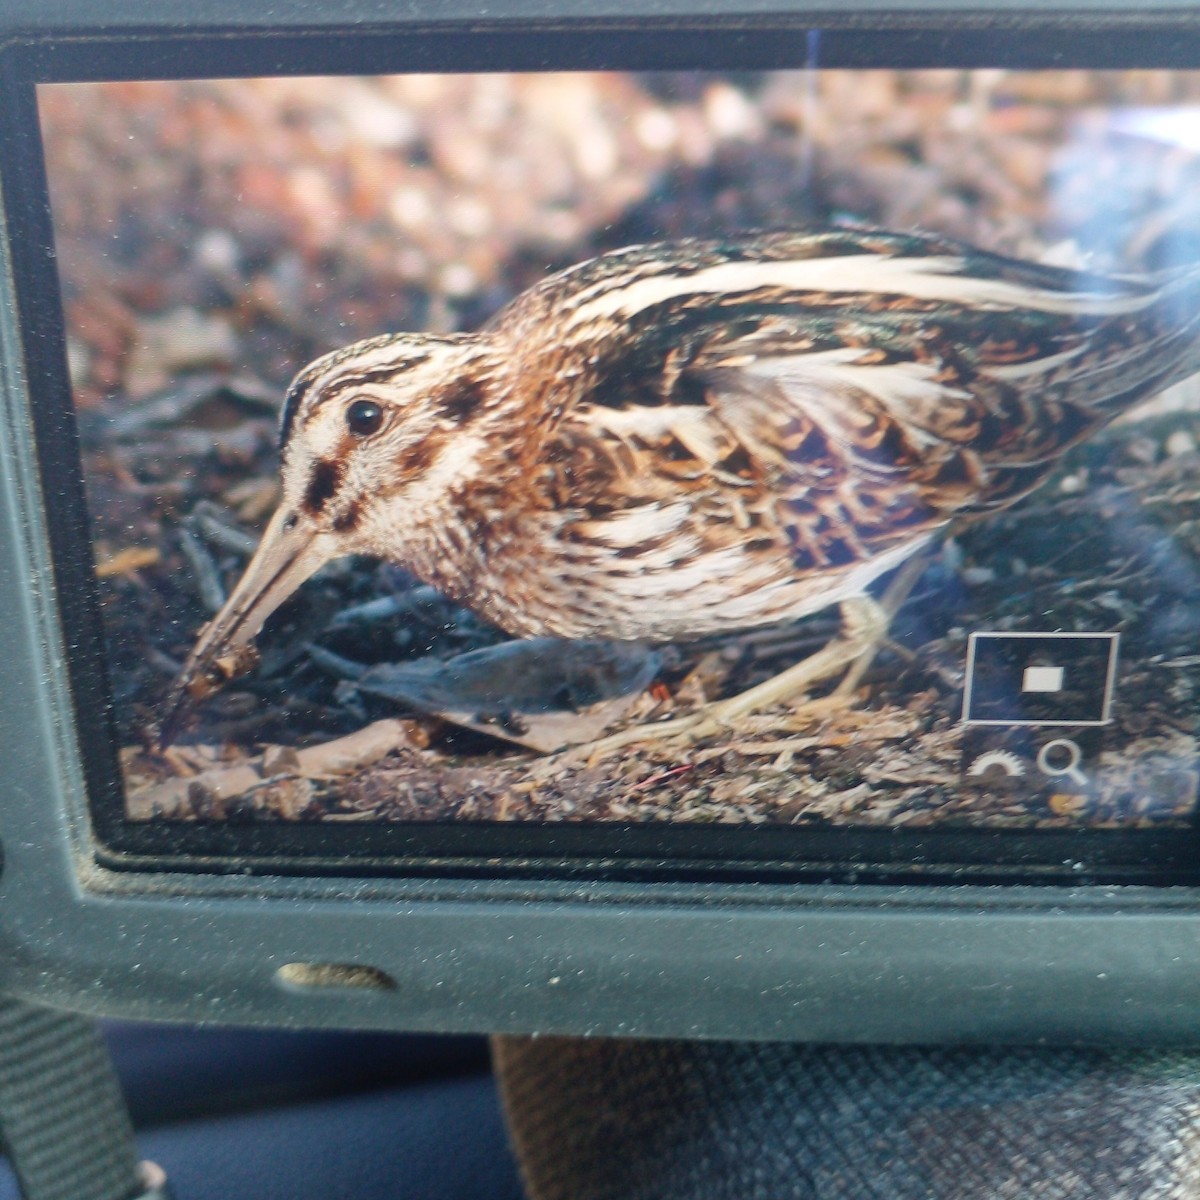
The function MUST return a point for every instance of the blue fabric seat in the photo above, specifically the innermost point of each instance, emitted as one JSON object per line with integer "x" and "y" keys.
{"x": 271, "y": 1115}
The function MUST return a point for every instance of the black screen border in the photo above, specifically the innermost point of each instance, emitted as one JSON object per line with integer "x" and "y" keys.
{"x": 614, "y": 851}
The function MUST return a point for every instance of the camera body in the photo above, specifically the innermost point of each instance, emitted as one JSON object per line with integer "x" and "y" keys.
{"x": 761, "y": 928}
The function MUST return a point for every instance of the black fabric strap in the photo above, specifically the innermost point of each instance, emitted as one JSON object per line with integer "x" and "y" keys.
{"x": 62, "y": 1117}
{"x": 610, "y": 1120}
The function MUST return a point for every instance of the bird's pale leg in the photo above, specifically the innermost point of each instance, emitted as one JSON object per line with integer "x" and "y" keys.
{"x": 864, "y": 626}
{"x": 865, "y": 623}
{"x": 894, "y": 598}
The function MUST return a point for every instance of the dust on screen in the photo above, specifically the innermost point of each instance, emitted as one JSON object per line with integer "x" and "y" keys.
{"x": 1036, "y": 663}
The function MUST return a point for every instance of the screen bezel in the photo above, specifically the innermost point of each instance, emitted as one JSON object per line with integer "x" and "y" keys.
{"x": 635, "y": 851}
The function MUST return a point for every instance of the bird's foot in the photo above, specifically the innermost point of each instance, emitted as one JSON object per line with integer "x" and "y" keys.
{"x": 865, "y": 624}
{"x": 711, "y": 721}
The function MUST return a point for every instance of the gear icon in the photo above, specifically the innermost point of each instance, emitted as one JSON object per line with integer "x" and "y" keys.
{"x": 1010, "y": 764}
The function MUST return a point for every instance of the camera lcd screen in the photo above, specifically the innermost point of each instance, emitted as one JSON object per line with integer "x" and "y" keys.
{"x": 796, "y": 450}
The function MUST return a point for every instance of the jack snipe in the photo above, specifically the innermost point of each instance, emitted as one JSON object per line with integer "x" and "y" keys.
{"x": 682, "y": 439}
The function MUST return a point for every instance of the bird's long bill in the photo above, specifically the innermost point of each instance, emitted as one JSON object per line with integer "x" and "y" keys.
{"x": 289, "y": 553}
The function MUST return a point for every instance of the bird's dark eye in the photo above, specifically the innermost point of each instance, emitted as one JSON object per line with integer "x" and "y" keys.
{"x": 364, "y": 417}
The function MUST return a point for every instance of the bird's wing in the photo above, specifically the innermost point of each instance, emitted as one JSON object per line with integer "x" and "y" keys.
{"x": 767, "y": 456}
{"x": 852, "y": 397}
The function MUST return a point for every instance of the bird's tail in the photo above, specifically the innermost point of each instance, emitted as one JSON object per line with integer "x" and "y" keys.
{"x": 1149, "y": 349}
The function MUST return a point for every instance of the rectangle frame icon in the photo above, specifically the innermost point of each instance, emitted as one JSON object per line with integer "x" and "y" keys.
{"x": 1035, "y": 679}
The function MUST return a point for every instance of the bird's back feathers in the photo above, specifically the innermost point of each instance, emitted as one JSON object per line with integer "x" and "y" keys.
{"x": 701, "y": 406}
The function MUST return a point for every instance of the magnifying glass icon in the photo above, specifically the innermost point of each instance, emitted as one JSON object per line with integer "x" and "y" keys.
{"x": 1062, "y": 757}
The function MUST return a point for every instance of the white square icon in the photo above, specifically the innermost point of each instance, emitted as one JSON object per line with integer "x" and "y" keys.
{"x": 1042, "y": 679}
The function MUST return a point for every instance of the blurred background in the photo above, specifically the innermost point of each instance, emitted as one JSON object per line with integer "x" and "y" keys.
{"x": 258, "y": 223}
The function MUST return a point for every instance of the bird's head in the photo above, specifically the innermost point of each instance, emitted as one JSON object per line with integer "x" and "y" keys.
{"x": 371, "y": 436}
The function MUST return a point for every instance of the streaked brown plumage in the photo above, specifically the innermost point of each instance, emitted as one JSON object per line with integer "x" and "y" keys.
{"x": 695, "y": 437}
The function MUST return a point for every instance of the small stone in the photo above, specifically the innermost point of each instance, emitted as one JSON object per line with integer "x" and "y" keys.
{"x": 217, "y": 252}
{"x": 380, "y": 122}
{"x": 469, "y": 217}
{"x": 975, "y": 576}
{"x": 280, "y": 760}
{"x": 457, "y": 279}
{"x": 410, "y": 207}
{"x": 1180, "y": 443}
{"x": 729, "y": 113}
{"x": 1142, "y": 450}
{"x": 180, "y": 340}
{"x": 656, "y": 129}
{"x": 288, "y": 797}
